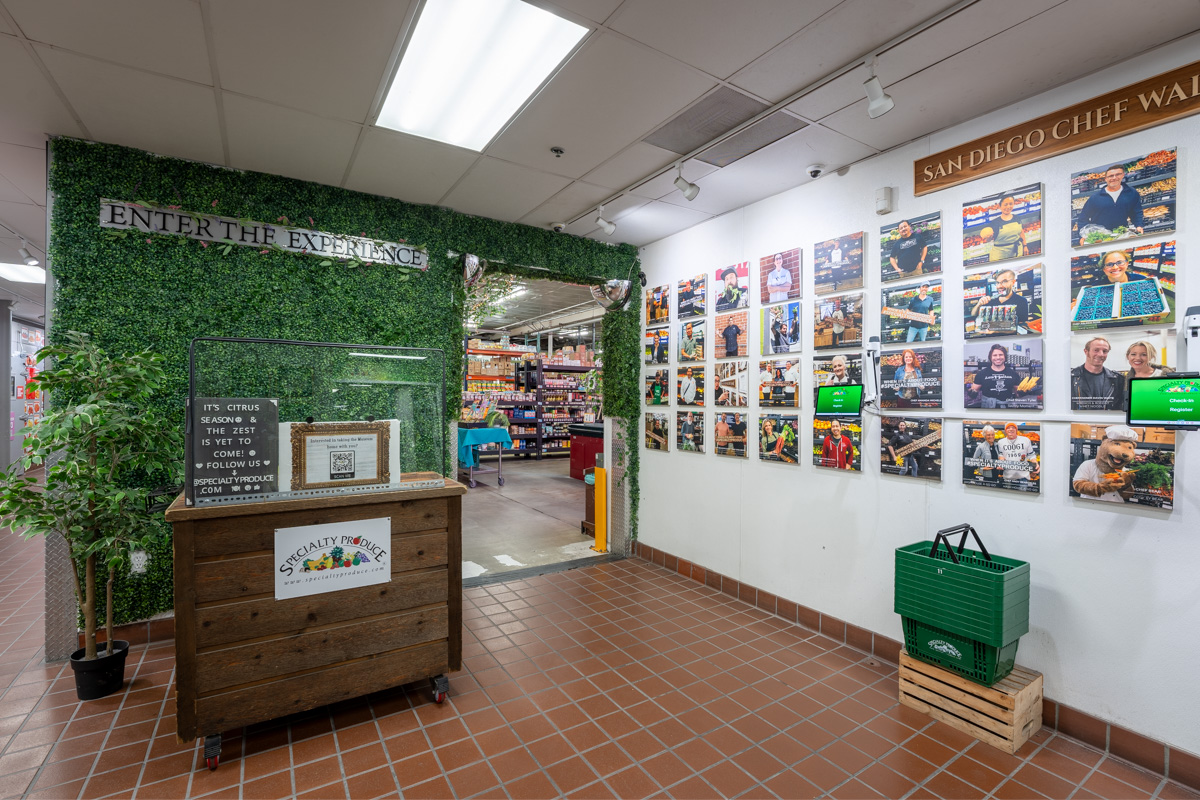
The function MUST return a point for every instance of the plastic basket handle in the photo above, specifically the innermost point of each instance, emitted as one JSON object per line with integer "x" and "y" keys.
{"x": 941, "y": 538}
{"x": 963, "y": 528}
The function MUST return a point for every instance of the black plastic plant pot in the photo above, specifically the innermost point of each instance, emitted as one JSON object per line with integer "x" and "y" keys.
{"x": 101, "y": 676}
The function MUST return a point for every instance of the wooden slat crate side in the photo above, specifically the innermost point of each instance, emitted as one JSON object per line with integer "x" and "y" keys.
{"x": 183, "y": 537}
{"x": 248, "y": 619}
{"x": 278, "y": 657}
{"x": 231, "y": 578}
{"x": 234, "y": 709}
{"x": 454, "y": 580}
{"x": 256, "y": 532}
{"x": 981, "y": 734}
{"x": 993, "y": 694}
{"x": 999, "y": 722}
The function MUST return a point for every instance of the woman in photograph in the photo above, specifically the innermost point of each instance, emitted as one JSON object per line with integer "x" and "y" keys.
{"x": 986, "y": 451}
{"x": 1140, "y": 356}
{"x": 767, "y": 438}
{"x": 1008, "y": 238}
{"x": 1116, "y": 267}
{"x": 907, "y": 375}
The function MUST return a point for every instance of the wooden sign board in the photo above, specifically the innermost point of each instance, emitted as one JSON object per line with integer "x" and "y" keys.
{"x": 1151, "y": 102}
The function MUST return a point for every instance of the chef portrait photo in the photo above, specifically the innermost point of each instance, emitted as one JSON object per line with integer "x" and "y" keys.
{"x": 1124, "y": 199}
{"x": 1003, "y": 226}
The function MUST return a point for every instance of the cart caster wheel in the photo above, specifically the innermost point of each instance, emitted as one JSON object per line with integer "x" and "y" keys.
{"x": 439, "y": 697}
{"x": 212, "y": 763}
{"x": 440, "y": 685}
{"x": 472, "y": 484}
{"x": 500, "y": 481}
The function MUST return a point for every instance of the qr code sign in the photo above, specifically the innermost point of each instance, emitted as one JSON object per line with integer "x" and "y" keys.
{"x": 341, "y": 464}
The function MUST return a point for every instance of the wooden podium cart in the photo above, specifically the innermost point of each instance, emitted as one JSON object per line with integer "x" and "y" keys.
{"x": 244, "y": 657}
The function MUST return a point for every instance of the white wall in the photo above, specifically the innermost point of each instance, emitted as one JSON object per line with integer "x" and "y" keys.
{"x": 1115, "y": 599}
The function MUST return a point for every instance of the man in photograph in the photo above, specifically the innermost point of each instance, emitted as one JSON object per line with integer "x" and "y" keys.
{"x": 732, "y": 297}
{"x": 1006, "y": 295}
{"x": 908, "y": 464}
{"x": 779, "y": 281}
{"x": 1017, "y": 454}
{"x": 921, "y": 304}
{"x": 687, "y": 388}
{"x": 907, "y": 254}
{"x": 791, "y": 377}
{"x": 838, "y": 320}
{"x": 837, "y": 450}
{"x": 1095, "y": 387}
{"x": 686, "y": 298}
{"x": 765, "y": 378}
{"x": 690, "y": 347}
{"x": 1114, "y": 205}
{"x": 687, "y": 433}
{"x": 724, "y": 435}
{"x": 996, "y": 381}
{"x": 738, "y": 431}
{"x": 730, "y": 335}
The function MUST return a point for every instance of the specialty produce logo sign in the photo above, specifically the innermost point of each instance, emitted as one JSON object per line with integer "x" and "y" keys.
{"x": 314, "y": 559}
{"x": 235, "y": 446}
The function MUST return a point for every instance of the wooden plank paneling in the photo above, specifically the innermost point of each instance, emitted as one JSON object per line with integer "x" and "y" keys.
{"x": 287, "y": 655}
{"x": 259, "y": 702}
{"x": 185, "y": 630}
{"x": 247, "y": 576}
{"x": 245, "y": 534}
{"x": 454, "y": 580}
{"x": 250, "y": 619}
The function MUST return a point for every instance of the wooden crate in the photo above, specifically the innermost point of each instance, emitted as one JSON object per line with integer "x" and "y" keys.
{"x": 1004, "y": 715}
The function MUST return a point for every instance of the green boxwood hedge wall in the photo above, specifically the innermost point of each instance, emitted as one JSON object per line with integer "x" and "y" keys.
{"x": 159, "y": 292}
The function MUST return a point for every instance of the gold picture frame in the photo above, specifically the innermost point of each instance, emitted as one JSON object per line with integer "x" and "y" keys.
{"x": 303, "y": 431}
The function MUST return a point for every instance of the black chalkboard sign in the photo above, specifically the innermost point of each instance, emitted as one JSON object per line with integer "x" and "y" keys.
{"x": 235, "y": 446}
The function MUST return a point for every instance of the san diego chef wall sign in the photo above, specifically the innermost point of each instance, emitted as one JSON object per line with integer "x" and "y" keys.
{"x": 124, "y": 215}
{"x": 331, "y": 557}
{"x": 1151, "y": 102}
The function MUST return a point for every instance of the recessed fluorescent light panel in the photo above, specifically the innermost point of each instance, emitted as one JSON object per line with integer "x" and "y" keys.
{"x": 470, "y": 65}
{"x": 22, "y": 273}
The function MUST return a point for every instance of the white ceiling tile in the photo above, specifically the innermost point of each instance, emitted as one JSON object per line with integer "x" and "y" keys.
{"x": 499, "y": 190}
{"x": 29, "y": 108}
{"x": 652, "y": 222}
{"x": 322, "y": 57}
{"x": 137, "y": 109}
{"x": 612, "y": 93}
{"x": 26, "y": 219}
{"x": 281, "y": 141}
{"x": 407, "y": 167}
{"x": 567, "y": 204}
{"x": 595, "y": 10}
{"x": 164, "y": 36}
{"x": 25, "y": 167}
{"x": 847, "y": 32}
{"x": 630, "y": 165}
{"x": 711, "y": 34}
{"x": 662, "y": 185}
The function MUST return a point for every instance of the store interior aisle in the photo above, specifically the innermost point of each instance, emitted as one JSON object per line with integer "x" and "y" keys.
{"x": 531, "y": 521}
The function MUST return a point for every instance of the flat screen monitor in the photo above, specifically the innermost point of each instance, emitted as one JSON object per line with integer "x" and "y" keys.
{"x": 1170, "y": 401}
{"x": 839, "y": 401}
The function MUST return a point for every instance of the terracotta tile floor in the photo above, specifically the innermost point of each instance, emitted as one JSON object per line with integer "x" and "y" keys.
{"x": 615, "y": 680}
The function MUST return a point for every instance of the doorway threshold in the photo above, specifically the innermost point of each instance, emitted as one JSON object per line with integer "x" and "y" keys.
{"x": 539, "y": 569}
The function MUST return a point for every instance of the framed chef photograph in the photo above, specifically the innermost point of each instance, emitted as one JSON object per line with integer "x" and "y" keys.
{"x": 911, "y": 378}
{"x": 1003, "y": 226}
{"x": 1003, "y": 302}
{"x": 1121, "y": 465}
{"x": 1006, "y": 373}
{"x": 691, "y": 339}
{"x": 658, "y": 306}
{"x": 837, "y": 443}
{"x": 911, "y": 312}
{"x": 731, "y": 383}
{"x": 1124, "y": 199}
{"x": 779, "y": 329}
{"x": 911, "y": 247}
{"x": 729, "y": 433}
{"x": 689, "y": 431}
{"x": 779, "y": 383}
{"x": 657, "y": 345}
{"x": 1002, "y": 454}
{"x": 779, "y": 276}
{"x": 731, "y": 340}
{"x": 911, "y": 447}
{"x": 690, "y": 301}
{"x": 733, "y": 287}
{"x": 778, "y": 438}
{"x": 838, "y": 264}
{"x": 689, "y": 385}
{"x": 838, "y": 322}
{"x": 1124, "y": 287}
{"x": 658, "y": 433}
{"x": 837, "y": 370}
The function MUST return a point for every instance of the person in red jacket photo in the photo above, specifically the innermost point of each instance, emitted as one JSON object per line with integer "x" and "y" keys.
{"x": 837, "y": 450}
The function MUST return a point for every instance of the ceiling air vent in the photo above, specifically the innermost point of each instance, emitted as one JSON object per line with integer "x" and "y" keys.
{"x": 757, "y": 136}
{"x": 719, "y": 112}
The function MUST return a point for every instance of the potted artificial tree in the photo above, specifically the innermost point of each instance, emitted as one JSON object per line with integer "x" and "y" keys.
{"x": 100, "y": 443}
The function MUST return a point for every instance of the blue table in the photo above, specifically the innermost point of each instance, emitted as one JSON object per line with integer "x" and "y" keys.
{"x": 469, "y": 440}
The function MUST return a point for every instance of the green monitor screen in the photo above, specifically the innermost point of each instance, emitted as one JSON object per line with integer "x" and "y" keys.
{"x": 1171, "y": 401}
{"x": 839, "y": 401}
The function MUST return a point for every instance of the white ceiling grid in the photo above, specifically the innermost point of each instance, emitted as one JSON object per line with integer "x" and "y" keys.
{"x": 291, "y": 86}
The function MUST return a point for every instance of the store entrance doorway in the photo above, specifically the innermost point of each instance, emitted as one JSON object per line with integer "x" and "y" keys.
{"x": 532, "y": 366}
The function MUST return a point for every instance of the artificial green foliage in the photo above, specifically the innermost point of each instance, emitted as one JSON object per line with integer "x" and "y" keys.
{"x": 133, "y": 291}
{"x": 621, "y": 338}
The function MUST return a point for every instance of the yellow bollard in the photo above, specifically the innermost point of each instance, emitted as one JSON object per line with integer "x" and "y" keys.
{"x": 601, "y": 510}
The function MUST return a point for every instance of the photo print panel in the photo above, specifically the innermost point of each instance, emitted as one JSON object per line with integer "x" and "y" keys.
{"x": 732, "y": 337}
{"x": 658, "y": 306}
{"x": 689, "y": 431}
{"x": 912, "y": 247}
{"x": 1003, "y": 226}
{"x": 911, "y": 447}
{"x": 1003, "y": 302}
{"x": 838, "y": 322}
{"x": 732, "y": 286}
{"x": 1002, "y": 454}
{"x": 689, "y": 385}
{"x": 837, "y": 443}
{"x": 838, "y": 370}
{"x": 911, "y": 313}
{"x": 729, "y": 433}
{"x": 779, "y": 329}
{"x": 838, "y": 264}
{"x": 1124, "y": 199}
{"x": 658, "y": 432}
{"x": 690, "y": 301}
{"x": 779, "y": 383}
{"x": 1101, "y": 360}
{"x": 1123, "y": 465}
{"x": 1124, "y": 288}
{"x": 657, "y": 345}
{"x": 732, "y": 383}
{"x": 911, "y": 378}
{"x": 779, "y": 276}
{"x": 658, "y": 387}
{"x": 691, "y": 340}
{"x": 1003, "y": 374}
{"x": 778, "y": 438}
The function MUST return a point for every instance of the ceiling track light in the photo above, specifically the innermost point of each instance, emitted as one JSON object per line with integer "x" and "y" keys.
{"x": 688, "y": 190}
{"x": 606, "y": 226}
{"x": 26, "y": 256}
{"x": 879, "y": 101}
